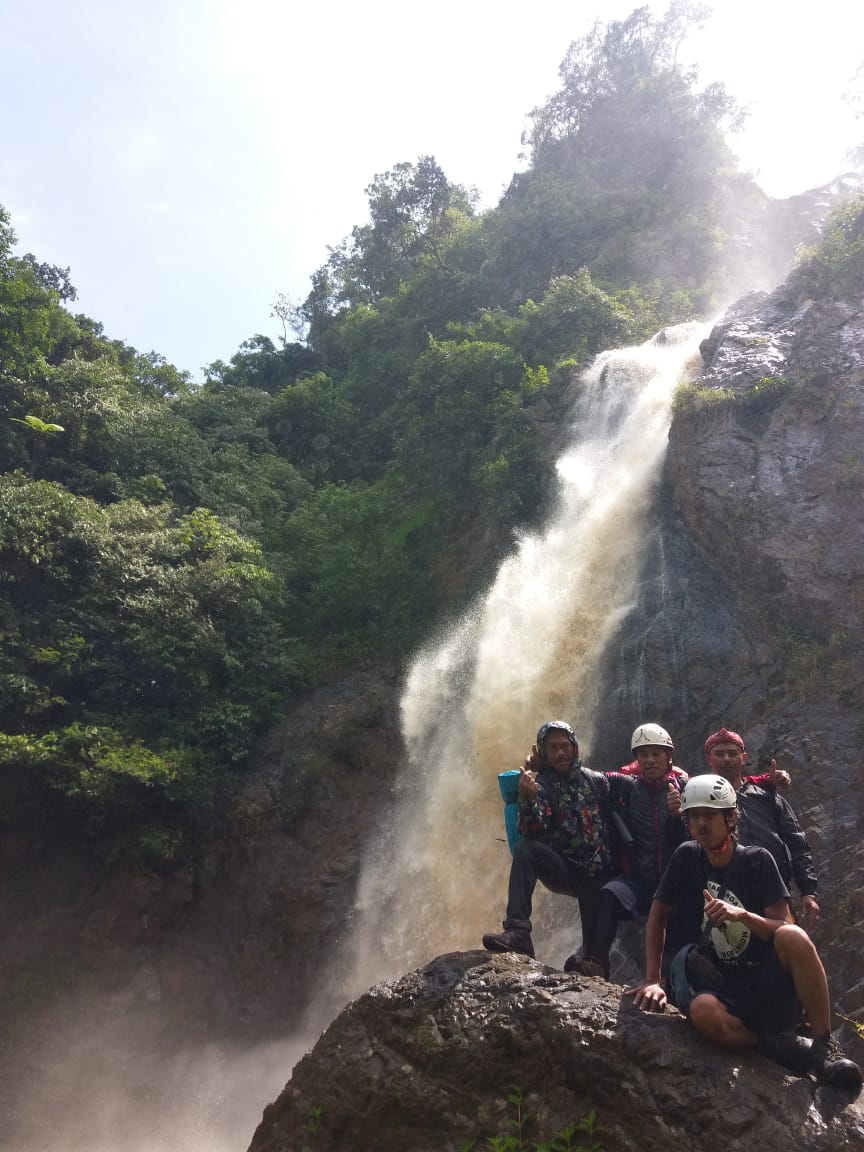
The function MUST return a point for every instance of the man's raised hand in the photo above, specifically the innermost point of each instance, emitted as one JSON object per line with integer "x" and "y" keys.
{"x": 527, "y": 781}
{"x": 673, "y": 800}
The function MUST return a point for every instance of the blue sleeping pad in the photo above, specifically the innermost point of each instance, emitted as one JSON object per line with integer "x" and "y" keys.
{"x": 508, "y": 782}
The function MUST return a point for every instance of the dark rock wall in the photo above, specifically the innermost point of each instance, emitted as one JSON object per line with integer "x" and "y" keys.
{"x": 752, "y": 602}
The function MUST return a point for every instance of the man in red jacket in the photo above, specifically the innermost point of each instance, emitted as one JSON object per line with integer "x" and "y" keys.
{"x": 652, "y": 813}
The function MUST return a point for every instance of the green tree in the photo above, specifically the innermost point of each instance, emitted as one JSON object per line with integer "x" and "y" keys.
{"x": 362, "y": 568}
{"x": 162, "y": 629}
{"x": 259, "y": 364}
{"x": 312, "y": 424}
{"x": 630, "y": 175}
{"x": 415, "y": 213}
{"x": 574, "y": 320}
{"x": 56, "y": 280}
{"x": 626, "y": 65}
{"x": 464, "y": 427}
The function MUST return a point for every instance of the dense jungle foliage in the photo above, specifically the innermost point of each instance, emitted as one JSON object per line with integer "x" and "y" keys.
{"x": 176, "y": 560}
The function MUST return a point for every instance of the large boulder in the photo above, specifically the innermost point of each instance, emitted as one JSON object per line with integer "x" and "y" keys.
{"x": 427, "y": 1064}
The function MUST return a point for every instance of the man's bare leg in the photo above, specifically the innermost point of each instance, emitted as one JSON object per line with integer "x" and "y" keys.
{"x": 712, "y": 1020}
{"x": 798, "y": 956}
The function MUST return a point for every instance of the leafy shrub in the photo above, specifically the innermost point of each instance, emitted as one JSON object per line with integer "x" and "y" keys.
{"x": 578, "y": 1136}
{"x": 834, "y": 268}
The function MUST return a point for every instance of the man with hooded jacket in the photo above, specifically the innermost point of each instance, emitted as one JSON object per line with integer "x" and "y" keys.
{"x": 567, "y": 841}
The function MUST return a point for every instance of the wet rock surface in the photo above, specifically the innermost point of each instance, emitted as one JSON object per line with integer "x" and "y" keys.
{"x": 425, "y": 1064}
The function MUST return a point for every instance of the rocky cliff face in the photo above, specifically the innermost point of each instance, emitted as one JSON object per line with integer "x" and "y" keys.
{"x": 752, "y": 605}
{"x": 136, "y": 1009}
{"x": 427, "y": 1064}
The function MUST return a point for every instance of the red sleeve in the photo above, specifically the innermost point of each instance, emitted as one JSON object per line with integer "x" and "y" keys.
{"x": 631, "y": 769}
{"x": 761, "y": 781}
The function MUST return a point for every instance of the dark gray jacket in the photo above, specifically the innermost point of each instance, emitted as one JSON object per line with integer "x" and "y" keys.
{"x": 767, "y": 820}
{"x": 656, "y": 833}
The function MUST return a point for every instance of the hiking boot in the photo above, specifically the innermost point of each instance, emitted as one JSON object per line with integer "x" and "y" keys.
{"x": 832, "y": 1066}
{"x": 583, "y": 965}
{"x": 787, "y": 1048}
{"x": 510, "y": 940}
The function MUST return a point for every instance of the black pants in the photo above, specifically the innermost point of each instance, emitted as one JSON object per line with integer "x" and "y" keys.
{"x": 533, "y": 861}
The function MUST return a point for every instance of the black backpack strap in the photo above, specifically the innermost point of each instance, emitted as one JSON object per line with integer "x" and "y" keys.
{"x": 601, "y": 786}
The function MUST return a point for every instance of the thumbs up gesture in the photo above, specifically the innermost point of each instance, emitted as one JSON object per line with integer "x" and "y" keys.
{"x": 527, "y": 782}
{"x": 673, "y": 800}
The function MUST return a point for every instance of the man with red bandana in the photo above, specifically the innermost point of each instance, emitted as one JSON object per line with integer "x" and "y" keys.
{"x": 766, "y": 820}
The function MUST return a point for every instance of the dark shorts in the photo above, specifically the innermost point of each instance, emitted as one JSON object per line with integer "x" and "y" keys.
{"x": 763, "y": 1001}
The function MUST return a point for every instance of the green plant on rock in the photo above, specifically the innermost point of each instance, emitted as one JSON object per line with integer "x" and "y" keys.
{"x": 691, "y": 399}
{"x": 803, "y": 659}
{"x": 514, "y": 1140}
{"x": 850, "y": 471}
{"x": 857, "y": 1025}
{"x": 577, "y": 1136}
{"x": 834, "y": 268}
{"x": 825, "y": 661}
{"x": 310, "y": 1129}
{"x": 767, "y": 393}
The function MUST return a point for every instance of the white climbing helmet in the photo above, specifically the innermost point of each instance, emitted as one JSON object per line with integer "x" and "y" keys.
{"x": 651, "y": 734}
{"x": 707, "y": 792}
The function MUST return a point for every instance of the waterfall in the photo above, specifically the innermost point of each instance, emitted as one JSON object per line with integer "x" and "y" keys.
{"x": 435, "y": 876}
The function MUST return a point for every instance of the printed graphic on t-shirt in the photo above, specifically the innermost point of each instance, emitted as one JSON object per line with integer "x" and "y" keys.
{"x": 730, "y": 940}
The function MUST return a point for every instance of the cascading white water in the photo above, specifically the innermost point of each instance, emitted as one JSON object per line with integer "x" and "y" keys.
{"x": 436, "y": 874}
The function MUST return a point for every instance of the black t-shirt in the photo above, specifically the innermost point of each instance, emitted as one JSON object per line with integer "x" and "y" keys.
{"x": 753, "y": 883}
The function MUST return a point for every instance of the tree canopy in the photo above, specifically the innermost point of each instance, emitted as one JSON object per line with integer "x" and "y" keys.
{"x": 176, "y": 560}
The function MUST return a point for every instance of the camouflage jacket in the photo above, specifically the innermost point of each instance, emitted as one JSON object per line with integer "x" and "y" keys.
{"x": 570, "y": 814}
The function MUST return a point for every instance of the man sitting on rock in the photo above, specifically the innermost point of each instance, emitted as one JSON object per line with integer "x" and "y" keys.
{"x": 766, "y": 819}
{"x": 567, "y": 842}
{"x": 720, "y": 933}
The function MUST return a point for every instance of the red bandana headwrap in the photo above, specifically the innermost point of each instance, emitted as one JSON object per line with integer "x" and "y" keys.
{"x": 724, "y": 736}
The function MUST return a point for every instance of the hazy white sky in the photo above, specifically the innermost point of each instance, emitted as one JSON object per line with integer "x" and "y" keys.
{"x": 189, "y": 159}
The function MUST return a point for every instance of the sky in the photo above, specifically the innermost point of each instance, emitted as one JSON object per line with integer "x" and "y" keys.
{"x": 191, "y": 159}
